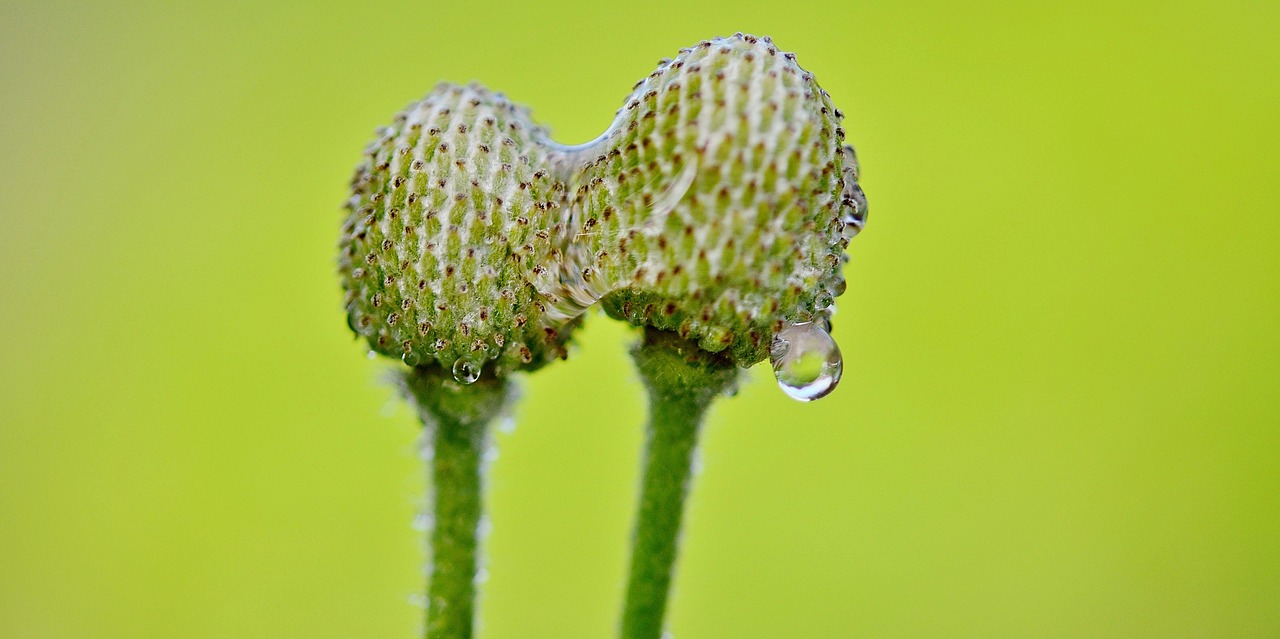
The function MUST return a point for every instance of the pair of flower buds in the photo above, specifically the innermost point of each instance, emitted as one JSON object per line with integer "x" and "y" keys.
{"x": 718, "y": 205}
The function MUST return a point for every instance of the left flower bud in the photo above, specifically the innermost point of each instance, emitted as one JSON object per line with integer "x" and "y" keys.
{"x": 451, "y": 216}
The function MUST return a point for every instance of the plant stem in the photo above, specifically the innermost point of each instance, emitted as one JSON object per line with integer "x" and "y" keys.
{"x": 682, "y": 380}
{"x": 456, "y": 418}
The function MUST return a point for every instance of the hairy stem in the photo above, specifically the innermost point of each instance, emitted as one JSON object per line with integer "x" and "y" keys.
{"x": 682, "y": 380}
{"x": 457, "y": 418}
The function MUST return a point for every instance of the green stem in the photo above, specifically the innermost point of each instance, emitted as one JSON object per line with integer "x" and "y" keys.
{"x": 682, "y": 380}
{"x": 457, "y": 419}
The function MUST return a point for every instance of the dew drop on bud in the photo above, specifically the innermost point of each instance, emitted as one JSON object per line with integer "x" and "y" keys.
{"x": 806, "y": 361}
{"x": 859, "y": 202}
{"x": 855, "y": 210}
{"x": 465, "y": 372}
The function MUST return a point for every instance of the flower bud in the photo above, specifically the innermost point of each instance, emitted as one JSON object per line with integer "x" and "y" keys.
{"x": 450, "y": 213}
{"x": 719, "y": 203}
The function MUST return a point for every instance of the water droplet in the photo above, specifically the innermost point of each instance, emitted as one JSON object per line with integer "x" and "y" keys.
{"x": 855, "y": 210}
{"x": 806, "y": 361}
{"x": 423, "y": 522}
{"x": 578, "y": 282}
{"x": 466, "y": 372}
{"x": 411, "y": 358}
{"x": 859, "y": 202}
{"x": 851, "y": 161}
{"x": 507, "y": 425}
{"x": 371, "y": 354}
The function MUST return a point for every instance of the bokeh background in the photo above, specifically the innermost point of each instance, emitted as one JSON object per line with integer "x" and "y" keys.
{"x": 1060, "y": 415}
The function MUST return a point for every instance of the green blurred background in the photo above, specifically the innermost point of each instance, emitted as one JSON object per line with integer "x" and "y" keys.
{"x": 1060, "y": 415}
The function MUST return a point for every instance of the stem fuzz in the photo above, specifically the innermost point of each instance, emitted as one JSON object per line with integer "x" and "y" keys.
{"x": 457, "y": 420}
{"x": 682, "y": 380}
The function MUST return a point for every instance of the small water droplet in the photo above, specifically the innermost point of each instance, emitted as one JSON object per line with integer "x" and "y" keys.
{"x": 466, "y": 372}
{"x": 411, "y": 359}
{"x": 859, "y": 203}
{"x": 855, "y": 213}
{"x": 851, "y": 161}
{"x": 423, "y": 522}
{"x": 507, "y": 425}
{"x": 806, "y": 361}
{"x": 371, "y": 354}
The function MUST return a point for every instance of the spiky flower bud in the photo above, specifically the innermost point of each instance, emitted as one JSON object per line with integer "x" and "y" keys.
{"x": 719, "y": 203}
{"x": 449, "y": 218}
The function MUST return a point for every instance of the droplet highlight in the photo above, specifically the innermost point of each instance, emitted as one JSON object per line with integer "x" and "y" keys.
{"x": 466, "y": 372}
{"x": 806, "y": 361}
{"x": 411, "y": 358}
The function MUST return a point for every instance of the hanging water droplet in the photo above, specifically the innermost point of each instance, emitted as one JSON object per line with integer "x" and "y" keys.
{"x": 806, "y": 361}
{"x": 465, "y": 372}
{"x": 411, "y": 358}
{"x": 371, "y": 354}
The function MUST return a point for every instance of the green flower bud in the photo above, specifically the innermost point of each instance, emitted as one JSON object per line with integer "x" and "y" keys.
{"x": 451, "y": 214}
{"x": 719, "y": 203}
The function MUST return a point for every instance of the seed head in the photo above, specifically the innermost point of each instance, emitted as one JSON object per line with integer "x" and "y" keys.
{"x": 442, "y": 234}
{"x": 719, "y": 203}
